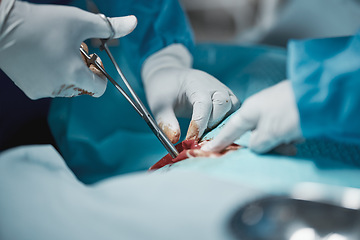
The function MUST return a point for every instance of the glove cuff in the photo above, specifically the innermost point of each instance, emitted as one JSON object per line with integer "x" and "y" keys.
{"x": 174, "y": 55}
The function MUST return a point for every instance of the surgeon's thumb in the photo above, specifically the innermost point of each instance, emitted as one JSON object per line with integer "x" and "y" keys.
{"x": 123, "y": 25}
{"x": 169, "y": 124}
{"x": 99, "y": 27}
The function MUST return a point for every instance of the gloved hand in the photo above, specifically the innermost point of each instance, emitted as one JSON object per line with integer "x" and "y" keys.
{"x": 173, "y": 89}
{"x": 273, "y": 116}
{"x": 39, "y": 47}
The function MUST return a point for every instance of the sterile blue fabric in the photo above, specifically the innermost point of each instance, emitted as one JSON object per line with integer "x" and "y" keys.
{"x": 325, "y": 76}
{"x": 180, "y": 203}
{"x": 318, "y": 161}
{"x": 42, "y": 199}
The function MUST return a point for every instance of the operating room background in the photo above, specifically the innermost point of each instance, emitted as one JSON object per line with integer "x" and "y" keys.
{"x": 271, "y": 22}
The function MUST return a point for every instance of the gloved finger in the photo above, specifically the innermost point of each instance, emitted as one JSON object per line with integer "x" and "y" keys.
{"x": 123, "y": 25}
{"x": 265, "y": 139}
{"x": 202, "y": 108}
{"x": 168, "y": 123}
{"x": 262, "y": 142}
{"x": 221, "y": 105}
{"x": 235, "y": 103}
{"x": 242, "y": 121}
{"x": 87, "y": 83}
{"x": 97, "y": 84}
{"x": 96, "y": 27}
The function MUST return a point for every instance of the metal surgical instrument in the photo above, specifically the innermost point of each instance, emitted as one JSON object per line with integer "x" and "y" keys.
{"x": 135, "y": 101}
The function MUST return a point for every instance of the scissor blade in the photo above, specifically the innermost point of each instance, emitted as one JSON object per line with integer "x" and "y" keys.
{"x": 92, "y": 60}
{"x": 146, "y": 115}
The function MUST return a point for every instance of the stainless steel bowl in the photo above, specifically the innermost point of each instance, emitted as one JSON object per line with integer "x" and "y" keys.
{"x": 295, "y": 218}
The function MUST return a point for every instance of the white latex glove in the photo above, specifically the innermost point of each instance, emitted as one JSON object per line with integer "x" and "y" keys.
{"x": 273, "y": 116}
{"x": 173, "y": 89}
{"x": 39, "y": 47}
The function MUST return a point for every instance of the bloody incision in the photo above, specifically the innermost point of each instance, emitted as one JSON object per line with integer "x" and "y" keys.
{"x": 190, "y": 149}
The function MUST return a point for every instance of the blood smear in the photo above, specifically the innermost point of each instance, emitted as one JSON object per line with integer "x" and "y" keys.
{"x": 190, "y": 149}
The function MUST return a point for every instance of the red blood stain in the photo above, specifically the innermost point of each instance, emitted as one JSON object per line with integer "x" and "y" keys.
{"x": 190, "y": 148}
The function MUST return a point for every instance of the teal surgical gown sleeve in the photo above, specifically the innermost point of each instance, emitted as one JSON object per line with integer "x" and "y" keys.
{"x": 160, "y": 23}
{"x": 325, "y": 74}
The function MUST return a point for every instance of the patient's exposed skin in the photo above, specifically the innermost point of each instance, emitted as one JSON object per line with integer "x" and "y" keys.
{"x": 191, "y": 149}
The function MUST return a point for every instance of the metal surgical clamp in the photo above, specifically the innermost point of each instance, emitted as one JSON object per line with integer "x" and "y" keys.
{"x": 135, "y": 102}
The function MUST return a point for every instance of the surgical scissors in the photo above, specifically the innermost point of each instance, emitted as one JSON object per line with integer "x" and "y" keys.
{"x": 135, "y": 102}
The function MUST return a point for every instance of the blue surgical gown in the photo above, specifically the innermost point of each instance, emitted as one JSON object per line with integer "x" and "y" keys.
{"x": 325, "y": 74}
